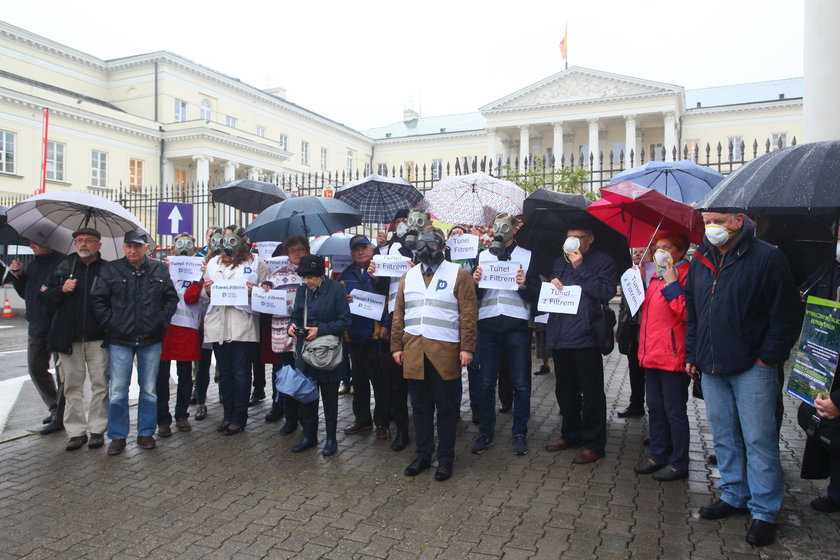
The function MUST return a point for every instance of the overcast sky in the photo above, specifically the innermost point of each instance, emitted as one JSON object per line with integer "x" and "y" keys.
{"x": 362, "y": 62}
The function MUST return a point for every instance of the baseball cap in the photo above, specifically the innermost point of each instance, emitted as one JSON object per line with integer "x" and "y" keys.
{"x": 359, "y": 240}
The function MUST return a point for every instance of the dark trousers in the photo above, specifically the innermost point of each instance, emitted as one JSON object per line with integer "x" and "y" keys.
{"x": 667, "y": 395}
{"x": 259, "y": 371}
{"x": 367, "y": 372}
{"x": 52, "y": 393}
{"x": 637, "y": 378}
{"x": 581, "y": 372}
{"x": 430, "y": 397}
{"x": 202, "y": 375}
{"x": 396, "y": 388}
{"x": 182, "y": 396}
{"x": 235, "y": 360}
{"x": 329, "y": 394}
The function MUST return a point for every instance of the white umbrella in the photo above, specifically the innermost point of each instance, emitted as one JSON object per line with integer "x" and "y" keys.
{"x": 474, "y": 199}
{"x": 50, "y": 219}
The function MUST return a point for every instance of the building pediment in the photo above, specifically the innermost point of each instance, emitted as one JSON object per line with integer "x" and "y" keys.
{"x": 579, "y": 85}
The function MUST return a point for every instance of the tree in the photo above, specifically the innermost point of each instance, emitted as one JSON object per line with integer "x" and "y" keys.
{"x": 538, "y": 176}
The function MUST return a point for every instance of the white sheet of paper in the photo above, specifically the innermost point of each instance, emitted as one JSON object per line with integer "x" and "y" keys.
{"x": 266, "y": 248}
{"x": 553, "y": 300}
{"x": 392, "y": 266}
{"x": 463, "y": 246}
{"x": 541, "y": 318}
{"x": 339, "y": 263}
{"x": 648, "y": 270}
{"x": 185, "y": 268}
{"x": 499, "y": 275}
{"x": 633, "y": 288}
{"x": 272, "y": 301}
{"x": 229, "y": 293}
{"x": 367, "y": 304}
{"x": 274, "y": 263}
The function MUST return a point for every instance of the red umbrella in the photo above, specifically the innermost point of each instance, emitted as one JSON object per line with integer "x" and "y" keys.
{"x": 638, "y": 212}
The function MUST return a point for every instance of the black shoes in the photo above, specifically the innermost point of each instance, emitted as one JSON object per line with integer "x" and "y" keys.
{"x": 233, "y": 430}
{"x": 505, "y": 408}
{"x": 275, "y": 414}
{"x": 647, "y": 467}
{"x": 443, "y": 471}
{"x": 256, "y": 398}
{"x": 631, "y": 412}
{"x": 288, "y": 428}
{"x": 146, "y": 442}
{"x": 543, "y": 370}
{"x": 669, "y": 474}
{"x": 761, "y": 533}
{"x": 200, "y": 413}
{"x": 417, "y": 466}
{"x": 400, "y": 440}
{"x": 52, "y": 427}
{"x": 719, "y": 510}
{"x": 826, "y": 504}
{"x": 117, "y": 446}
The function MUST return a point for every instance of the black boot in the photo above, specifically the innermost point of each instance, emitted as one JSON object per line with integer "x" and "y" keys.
{"x": 275, "y": 414}
{"x": 310, "y": 435}
{"x": 400, "y": 440}
{"x": 330, "y": 443}
{"x": 289, "y": 427}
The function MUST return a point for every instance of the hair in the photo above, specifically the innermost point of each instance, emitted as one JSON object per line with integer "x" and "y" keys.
{"x": 296, "y": 240}
{"x": 243, "y": 252}
{"x": 586, "y": 231}
{"x": 679, "y": 240}
{"x": 463, "y": 228}
{"x": 436, "y": 230}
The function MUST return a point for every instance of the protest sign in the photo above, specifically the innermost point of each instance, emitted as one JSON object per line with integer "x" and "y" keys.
{"x": 462, "y": 247}
{"x": 392, "y": 266}
{"x": 499, "y": 275}
{"x": 553, "y": 300}
{"x": 266, "y": 248}
{"x": 367, "y": 304}
{"x": 228, "y": 293}
{"x": 185, "y": 268}
{"x": 272, "y": 301}
{"x": 816, "y": 356}
{"x": 276, "y": 262}
{"x": 633, "y": 288}
{"x": 339, "y": 263}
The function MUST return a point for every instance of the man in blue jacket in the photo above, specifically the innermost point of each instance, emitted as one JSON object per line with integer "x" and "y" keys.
{"x": 743, "y": 317}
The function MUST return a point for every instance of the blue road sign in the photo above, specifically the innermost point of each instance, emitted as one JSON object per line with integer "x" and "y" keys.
{"x": 174, "y": 218}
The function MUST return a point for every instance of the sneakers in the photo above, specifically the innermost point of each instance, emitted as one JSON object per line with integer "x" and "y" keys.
{"x": 520, "y": 445}
{"x": 482, "y": 442}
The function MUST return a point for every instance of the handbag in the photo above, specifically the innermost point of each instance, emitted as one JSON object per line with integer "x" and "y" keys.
{"x": 324, "y": 352}
{"x": 290, "y": 381}
{"x": 603, "y": 321}
{"x": 697, "y": 385}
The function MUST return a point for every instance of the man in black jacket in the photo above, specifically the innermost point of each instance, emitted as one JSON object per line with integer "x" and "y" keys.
{"x": 28, "y": 285}
{"x": 134, "y": 300}
{"x": 743, "y": 316}
{"x": 77, "y": 336}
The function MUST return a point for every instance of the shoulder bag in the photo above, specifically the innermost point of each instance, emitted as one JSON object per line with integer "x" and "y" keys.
{"x": 324, "y": 352}
{"x": 603, "y": 321}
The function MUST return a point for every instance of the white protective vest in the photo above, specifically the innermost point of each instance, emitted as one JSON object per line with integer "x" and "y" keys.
{"x": 245, "y": 272}
{"x": 433, "y": 312}
{"x": 504, "y": 302}
{"x": 188, "y": 316}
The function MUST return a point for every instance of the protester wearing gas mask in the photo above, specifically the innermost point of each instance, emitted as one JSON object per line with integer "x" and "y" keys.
{"x": 578, "y": 365}
{"x": 182, "y": 343}
{"x": 233, "y": 330}
{"x": 209, "y": 247}
{"x": 504, "y": 336}
{"x": 743, "y": 315}
{"x": 433, "y": 337}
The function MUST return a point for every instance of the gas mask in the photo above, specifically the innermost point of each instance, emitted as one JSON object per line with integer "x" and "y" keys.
{"x": 214, "y": 246}
{"x": 231, "y": 243}
{"x": 183, "y": 245}
{"x": 718, "y": 235}
{"x": 502, "y": 234}
{"x": 430, "y": 249}
{"x": 417, "y": 220}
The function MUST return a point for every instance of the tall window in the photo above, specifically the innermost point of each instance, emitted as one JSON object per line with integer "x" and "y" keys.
{"x": 55, "y": 161}
{"x": 437, "y": 165}
{"x": 323, "y": 158}
{"x": 284, "y": 142}
{"x": 135, "y": 174}
{"x": 205, "y": 112}
{"x": 230, "y": 121}
{"x": 382, "y": 169}
{"x": 98, "y": 169}
{"x": 349, "y": 163}
{"x": 180, "y": 110}
{"x": 261, "y": 131}
{"x": 735, "y": 143}
{"x": 180, "y": 182}
{"x": 778, "y": 137}
{"x": 7, "y": 151}
{"x": 304, "y": 152}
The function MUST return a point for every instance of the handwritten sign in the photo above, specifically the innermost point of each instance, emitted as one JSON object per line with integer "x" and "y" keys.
{"x": 499, "y": 275}
{"x": 564, "y": 301}
{"x": 272, "y": 302}
{"x": 185, "y": 268}
{"x": 463, "y": 246}
{"x": 392, "y": 266}
{"x": 266, "y": 248}
{"x": 228, "y": 293}
{"x": 367, "y": 304}
{"x": 274, "y": 263}
{"x": 633, "y": 289}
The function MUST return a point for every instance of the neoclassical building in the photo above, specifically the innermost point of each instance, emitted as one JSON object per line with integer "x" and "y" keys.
{"x": 158, "y": 118}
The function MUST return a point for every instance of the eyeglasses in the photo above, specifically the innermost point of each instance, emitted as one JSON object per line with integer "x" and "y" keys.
{"x": 85, "y": 241}
{"x": 296, "y": 250}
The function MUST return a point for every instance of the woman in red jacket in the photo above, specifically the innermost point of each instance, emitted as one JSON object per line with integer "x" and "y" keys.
{"x": 662, "y": 354}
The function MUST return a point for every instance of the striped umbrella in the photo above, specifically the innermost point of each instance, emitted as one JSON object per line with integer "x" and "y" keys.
{"x": 474, "y": 199}
{"x": 379, "y": 198}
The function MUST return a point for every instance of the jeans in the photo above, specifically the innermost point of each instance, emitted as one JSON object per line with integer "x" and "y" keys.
{"x": 121, "y": 363}
{"x": 580, "y": 371}
{"x": 235, "y": 360}
{"x": 667, "y": 393}
{"x": 514, "y": 347}
{"x": 741, "y": 412}
{"x": 182, "y": 395}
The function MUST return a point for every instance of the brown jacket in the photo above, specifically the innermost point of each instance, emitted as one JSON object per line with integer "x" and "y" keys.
{"x": 444, "y": 356}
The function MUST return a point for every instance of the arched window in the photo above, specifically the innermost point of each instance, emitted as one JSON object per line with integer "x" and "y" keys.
{"x": 206, "y": 113}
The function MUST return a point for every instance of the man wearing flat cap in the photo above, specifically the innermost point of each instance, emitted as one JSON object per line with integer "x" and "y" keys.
{"x": 134, "y": 300}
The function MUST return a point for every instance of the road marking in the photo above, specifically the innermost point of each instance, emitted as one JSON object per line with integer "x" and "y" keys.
{"x": 9, "y": 391}
{"x": 7, "y": 326}
{"x": 12, "y": 352}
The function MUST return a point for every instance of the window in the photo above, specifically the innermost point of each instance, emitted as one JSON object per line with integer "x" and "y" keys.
{"x": 777, "y": 138}
{"x": 656, "y": 153}
{"x": 98, "y": 169}
{"x": 135, "y": 175}
{"x": 180, "y": 110}
{"x": 382, "y": 169}
{"x": 205, "y": 112}
{"x": 583, "y": 155}
{"x": 55, "y": 161}
{"x": 230, "y": 121}
{"x": 349, "y": 163}
{"x": 7, "y": 152}
{"x": 734, "y": 143}
{"x": 617, "y": 151}
{"x": 409, "y": 170}
{"x": 323, "y": 158}
{"x": 180, "y": 182}
{"x": 692, "y": 147}
{"x": 437, "y": 166}
{"x": 261, "y": 131}
{"x": 304, "y": 152}
{"x": 284, "y": 142}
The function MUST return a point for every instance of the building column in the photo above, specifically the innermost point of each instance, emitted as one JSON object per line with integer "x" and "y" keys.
{"x": 594, "y": 146}
{"x": 202, "y": 169}
{"x": 254, "y": 173}
{"x": 629, "y": 139}
{"x": 230, "y": 170}
{"x": 168, "y": 178}
{"x": 491, "y": 147}
{"x": 557, "y": 150}
{"x": 821, "y": 120}
{"x": 669, "y": 139}
{"x": 524, "y": 148}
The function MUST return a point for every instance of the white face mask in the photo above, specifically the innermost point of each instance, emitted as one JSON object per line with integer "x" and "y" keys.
{"x": 401, "y": 229}
{"x": 571, "y": 244}
{"x": 718, "y": 235}
{"x": 663, "y": 258}
{"x": 837, "y": 252}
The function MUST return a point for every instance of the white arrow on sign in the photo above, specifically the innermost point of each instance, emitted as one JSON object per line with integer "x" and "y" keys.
{"x": 175, "y": 219}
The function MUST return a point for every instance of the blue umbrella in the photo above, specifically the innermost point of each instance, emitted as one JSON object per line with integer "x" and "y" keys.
{"x": 684, "y": 181}
{"x": 304, "y": 215}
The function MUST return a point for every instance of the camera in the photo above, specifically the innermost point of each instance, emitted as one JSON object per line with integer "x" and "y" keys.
{"x": 300, "y": 332}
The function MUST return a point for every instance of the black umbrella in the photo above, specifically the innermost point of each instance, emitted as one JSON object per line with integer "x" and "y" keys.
{"x": 379, "y": 198}
{"x": 249, "y": 195}
{"x": 304, "y": 215}
{"x": 802, "y": 179}
{"x": 8, "y": 236}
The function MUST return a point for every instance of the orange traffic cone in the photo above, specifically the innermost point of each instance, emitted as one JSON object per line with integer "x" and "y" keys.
{"x": 7, "y": 309}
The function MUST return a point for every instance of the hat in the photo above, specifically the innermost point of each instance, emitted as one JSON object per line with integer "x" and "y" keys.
{"x": 136, "y": 236}
{"x": 311, "y": 265}
{"x": 402, "y": 213}
{"x": 87, "y": 231}
{"x": 359, "y": 240}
